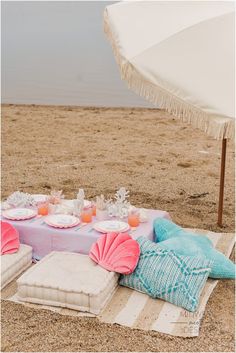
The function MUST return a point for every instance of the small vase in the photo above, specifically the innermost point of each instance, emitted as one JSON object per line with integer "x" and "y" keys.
{"x": 101, "y": 215}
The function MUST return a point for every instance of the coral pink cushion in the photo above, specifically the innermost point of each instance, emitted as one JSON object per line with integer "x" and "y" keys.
{"x": 116, "y": 252}
{"x": 9, "y": 239}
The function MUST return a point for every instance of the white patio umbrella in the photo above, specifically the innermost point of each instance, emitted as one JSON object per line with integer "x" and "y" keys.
{"x": 179, "y": 55}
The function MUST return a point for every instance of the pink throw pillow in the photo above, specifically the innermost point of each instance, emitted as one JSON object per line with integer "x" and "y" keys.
{"x": 116, "y": 252}
{"x": 10, "y": 242}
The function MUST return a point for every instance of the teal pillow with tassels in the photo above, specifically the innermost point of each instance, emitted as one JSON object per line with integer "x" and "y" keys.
{"x": 164, "y": 274}
{"x": 170, "y": 236}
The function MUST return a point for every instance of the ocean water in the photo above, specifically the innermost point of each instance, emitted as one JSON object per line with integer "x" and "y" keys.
{"x": 56, "y": 53}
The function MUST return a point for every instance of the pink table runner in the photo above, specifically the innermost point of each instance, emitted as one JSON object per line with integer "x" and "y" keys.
{"x": 44, "y": 239}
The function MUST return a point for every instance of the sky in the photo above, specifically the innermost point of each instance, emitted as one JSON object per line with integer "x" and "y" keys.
{"x": 55, "y": 52}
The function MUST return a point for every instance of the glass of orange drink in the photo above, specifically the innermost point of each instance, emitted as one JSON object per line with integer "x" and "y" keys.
{"x": 134, "y": 219}
{"x": 86, "y": 215}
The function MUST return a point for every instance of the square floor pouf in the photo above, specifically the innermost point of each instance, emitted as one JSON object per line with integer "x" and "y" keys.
{"x": 13, "y": 264}
{"x": 68, "y": 280}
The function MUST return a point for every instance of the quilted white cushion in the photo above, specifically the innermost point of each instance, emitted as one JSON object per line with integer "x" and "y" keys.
{"x": 68, "y": 280}
{"x": 13, "y": 264}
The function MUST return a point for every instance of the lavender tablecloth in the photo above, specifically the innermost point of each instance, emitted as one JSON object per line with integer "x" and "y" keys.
{"x": 44, "y": 239}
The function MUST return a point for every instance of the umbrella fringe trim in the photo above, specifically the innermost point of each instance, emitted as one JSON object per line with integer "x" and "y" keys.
{"x": 212, "y": 125}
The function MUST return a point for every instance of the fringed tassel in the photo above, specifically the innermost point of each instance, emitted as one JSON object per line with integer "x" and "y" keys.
{"x": 212, "y": 125}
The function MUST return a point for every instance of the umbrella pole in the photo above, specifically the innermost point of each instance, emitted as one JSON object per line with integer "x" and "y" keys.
{"x": 222, "y": 182}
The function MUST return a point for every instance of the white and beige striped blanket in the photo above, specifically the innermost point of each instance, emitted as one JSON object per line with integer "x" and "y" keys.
{"x": 137, "y": 310}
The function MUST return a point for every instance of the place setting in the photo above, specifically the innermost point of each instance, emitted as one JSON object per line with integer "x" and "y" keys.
{"x": 62, "y": 221}
{"x": 114, "y": 215}
{"x": 111, "y": 226}
{"x": 19, "y": 214}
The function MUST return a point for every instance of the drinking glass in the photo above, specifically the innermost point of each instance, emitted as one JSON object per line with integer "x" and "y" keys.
{"x": 86, "y": 215}
{"x": 133, "y": 219}
{"x": 94, "y": 208}
{"x": 43, "y": 208}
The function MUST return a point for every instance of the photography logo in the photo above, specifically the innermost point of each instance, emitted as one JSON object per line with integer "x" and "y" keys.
{"x": 189, "y": 322}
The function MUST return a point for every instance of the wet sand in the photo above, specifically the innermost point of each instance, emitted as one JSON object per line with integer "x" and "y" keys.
{"x": 164, "y": 163}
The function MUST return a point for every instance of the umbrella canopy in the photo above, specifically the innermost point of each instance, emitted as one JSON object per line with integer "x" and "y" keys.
{"x": 179, "y": 56}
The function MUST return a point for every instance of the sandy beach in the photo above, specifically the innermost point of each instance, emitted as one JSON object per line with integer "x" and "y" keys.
{"x": 165, "y": 164}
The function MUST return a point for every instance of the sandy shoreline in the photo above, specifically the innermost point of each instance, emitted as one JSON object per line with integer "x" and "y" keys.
{"x": 164, "y": 163}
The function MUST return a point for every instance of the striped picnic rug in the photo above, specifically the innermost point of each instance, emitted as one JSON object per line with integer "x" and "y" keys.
{"x": 137, "y": 310}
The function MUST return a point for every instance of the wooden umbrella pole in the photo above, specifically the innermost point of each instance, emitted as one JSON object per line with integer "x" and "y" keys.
{"x": 222, "y": 182}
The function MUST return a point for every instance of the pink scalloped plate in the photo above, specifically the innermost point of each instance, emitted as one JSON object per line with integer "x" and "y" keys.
{"x": 106, "y": 227}
{"x": 104, "y": 231}
{"x": 19, "y": 214}
{"x": 62, "y": 221}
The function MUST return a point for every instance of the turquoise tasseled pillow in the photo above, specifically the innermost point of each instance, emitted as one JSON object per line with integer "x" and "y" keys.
{"x": 170, "y": 236}
{"x": 164, "y": 274}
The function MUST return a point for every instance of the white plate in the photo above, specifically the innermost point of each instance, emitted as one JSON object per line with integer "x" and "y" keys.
{"x": 19, "y": 214}
{"x": 111, "y": 226}
{"x": 62, "y": 221}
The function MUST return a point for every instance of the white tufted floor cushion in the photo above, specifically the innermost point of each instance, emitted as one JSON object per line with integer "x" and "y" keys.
{"x": 68, "y": 280}
{"x": 13, "y": 264}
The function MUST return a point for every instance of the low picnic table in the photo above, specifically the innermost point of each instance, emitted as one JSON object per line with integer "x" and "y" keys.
{"x": 44, "y": 239}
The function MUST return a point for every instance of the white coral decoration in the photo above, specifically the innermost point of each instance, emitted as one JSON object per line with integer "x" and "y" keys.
{"x": 20, "y": 199}
{"x": 5, "y": 206}
{"x": 121, "y": 195}
{"x": 120, "y": 207}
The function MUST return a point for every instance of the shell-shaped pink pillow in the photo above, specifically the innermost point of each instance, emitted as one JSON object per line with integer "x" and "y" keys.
{"x": 116, "y": 252}
{"x": 10, "y": 242}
